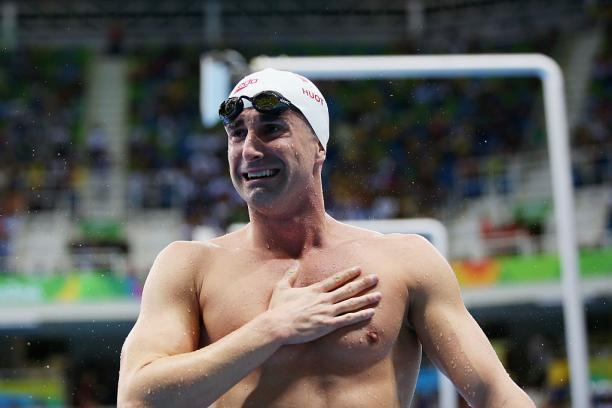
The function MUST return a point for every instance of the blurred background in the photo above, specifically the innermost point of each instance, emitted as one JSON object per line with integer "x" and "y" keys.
{"x": 104, "y": 161}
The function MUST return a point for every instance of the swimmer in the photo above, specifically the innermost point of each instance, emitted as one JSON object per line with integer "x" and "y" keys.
{"x": 297, "y": 309}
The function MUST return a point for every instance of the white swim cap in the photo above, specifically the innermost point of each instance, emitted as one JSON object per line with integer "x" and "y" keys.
{"x": 297, "y": 89}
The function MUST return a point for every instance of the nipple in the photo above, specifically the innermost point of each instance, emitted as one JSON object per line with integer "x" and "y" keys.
{"x": 372, "y": 337}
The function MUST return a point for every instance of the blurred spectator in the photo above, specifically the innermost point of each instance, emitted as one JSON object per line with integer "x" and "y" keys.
{"x": 97, "y": 148}
{"x": 115, "y": 39}
{"x": 41, "y": 95}
{"x": 4, "y": 244}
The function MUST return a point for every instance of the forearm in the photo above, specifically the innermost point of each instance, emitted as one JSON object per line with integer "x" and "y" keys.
{"x": 510, "y": 396}
{"x": 501, "y": 393}
{"x": 200, "y": 377}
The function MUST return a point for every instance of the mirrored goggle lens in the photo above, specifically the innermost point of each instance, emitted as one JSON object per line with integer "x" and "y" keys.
{"x": 268, "y": 102}
{"x": 230, "y": 108}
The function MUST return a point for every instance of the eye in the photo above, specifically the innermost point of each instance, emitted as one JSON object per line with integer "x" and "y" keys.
{"x": 272, "y": 128}
{"x": 237, "y": 134}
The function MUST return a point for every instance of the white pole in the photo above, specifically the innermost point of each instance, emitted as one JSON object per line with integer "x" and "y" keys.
{"x": 575, "y": 338}
{"x": 482, "y": 65}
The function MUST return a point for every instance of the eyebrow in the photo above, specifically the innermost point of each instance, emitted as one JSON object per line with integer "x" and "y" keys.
{"x": 263, "y": 117}
{"x": 267, "y": 117}
{"x": 233, "y": 125}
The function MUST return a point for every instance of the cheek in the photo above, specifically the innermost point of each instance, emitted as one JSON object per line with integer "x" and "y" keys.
{"x": 233, "y": 164}
{"x": 233, "y": 155}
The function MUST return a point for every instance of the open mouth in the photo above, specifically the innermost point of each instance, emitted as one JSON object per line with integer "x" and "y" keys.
{"x": 255, "y": 175}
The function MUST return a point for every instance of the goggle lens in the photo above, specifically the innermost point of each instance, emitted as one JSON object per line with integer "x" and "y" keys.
{"x": 267, "y": 102}
{"x": 263, "y": 102}
{"x": 230, "y": 108}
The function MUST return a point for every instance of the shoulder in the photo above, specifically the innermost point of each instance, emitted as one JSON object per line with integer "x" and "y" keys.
{"x": 180, "y": 263}
{"x": 402, "y": 243}
{"x": 414, "y": 259}
{"x": 402, "y": 247}
{"x": 414, "y": 249}
{"x": 186, "y": 251}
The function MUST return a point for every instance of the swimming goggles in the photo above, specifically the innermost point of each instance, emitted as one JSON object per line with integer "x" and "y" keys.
{"x": 270, "y": 102}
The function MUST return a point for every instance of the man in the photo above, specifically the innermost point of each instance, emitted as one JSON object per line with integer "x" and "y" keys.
{"x": 297, "y": 309}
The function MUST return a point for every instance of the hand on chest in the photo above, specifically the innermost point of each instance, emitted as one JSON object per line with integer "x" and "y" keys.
{"x": 239, "y": 296}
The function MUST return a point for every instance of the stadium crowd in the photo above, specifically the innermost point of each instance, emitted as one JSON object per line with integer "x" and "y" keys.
{"x": 41, "y": 110}
{"x": 398, "y": 148}
{"x": 595, "y": 130}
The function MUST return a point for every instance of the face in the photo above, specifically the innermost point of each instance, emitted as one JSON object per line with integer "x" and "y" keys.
{"x": 272, "y": 159}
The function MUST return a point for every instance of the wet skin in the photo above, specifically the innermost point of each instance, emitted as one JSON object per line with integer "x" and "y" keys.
{"x": 369, "y": 364}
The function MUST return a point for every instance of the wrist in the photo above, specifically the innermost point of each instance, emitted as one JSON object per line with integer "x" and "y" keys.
{"x": 269, "y": 325}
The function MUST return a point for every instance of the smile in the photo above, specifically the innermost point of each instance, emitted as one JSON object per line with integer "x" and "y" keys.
{"x": 254, "y": 175}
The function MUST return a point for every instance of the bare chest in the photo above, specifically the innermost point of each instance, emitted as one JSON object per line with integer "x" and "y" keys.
{"x": 238, "y": 288}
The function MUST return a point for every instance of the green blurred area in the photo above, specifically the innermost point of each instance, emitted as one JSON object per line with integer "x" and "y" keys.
{"x": 546, "y": 267}
{"x": 45, "y": 391}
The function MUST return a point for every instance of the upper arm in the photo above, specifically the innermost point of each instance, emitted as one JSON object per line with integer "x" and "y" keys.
{"x": 169, "y": 318}
{"x": 448, "y": 333}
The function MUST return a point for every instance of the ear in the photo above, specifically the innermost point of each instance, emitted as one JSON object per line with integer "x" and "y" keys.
{"x": 321, "y": 154}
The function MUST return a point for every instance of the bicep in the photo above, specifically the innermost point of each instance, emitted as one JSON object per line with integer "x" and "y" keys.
{"x": 448, "y": 333}
{"x": 455, "y": 343}
{"x": 168, "y": 322}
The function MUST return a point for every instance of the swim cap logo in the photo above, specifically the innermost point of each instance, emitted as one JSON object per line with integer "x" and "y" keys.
{"x": 313, "y": 95}
{"x": 244, "y": 84}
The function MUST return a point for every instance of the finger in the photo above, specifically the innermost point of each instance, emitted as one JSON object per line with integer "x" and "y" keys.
{"x": 352, "y": 318}
{"x": 357, "y": 303}
{"x": 339, "y": 279}
{"x": 353, "y": 288}
{"x": 290, "y": 275}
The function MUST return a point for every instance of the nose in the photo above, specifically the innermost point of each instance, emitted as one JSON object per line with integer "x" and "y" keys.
{"x": 252, "y": 147}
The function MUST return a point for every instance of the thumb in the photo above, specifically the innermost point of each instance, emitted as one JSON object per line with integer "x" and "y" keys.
{"x": 291, "y": 274}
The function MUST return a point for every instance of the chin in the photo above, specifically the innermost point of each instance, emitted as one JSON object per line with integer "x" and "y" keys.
{"x": 263, "y": 200}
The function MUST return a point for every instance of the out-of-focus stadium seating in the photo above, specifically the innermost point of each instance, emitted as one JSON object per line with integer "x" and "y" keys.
{"x": 445, "y": 130}
{"x": 41, "y": 119}
{"x": 173, "y": 161}
{"x": 398, "y": 148}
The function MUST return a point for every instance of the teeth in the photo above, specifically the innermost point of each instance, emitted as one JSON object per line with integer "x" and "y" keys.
{"x": 262, "y": 173}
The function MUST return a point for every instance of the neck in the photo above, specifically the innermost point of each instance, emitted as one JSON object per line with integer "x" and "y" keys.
{"x": 291, "y": 234}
